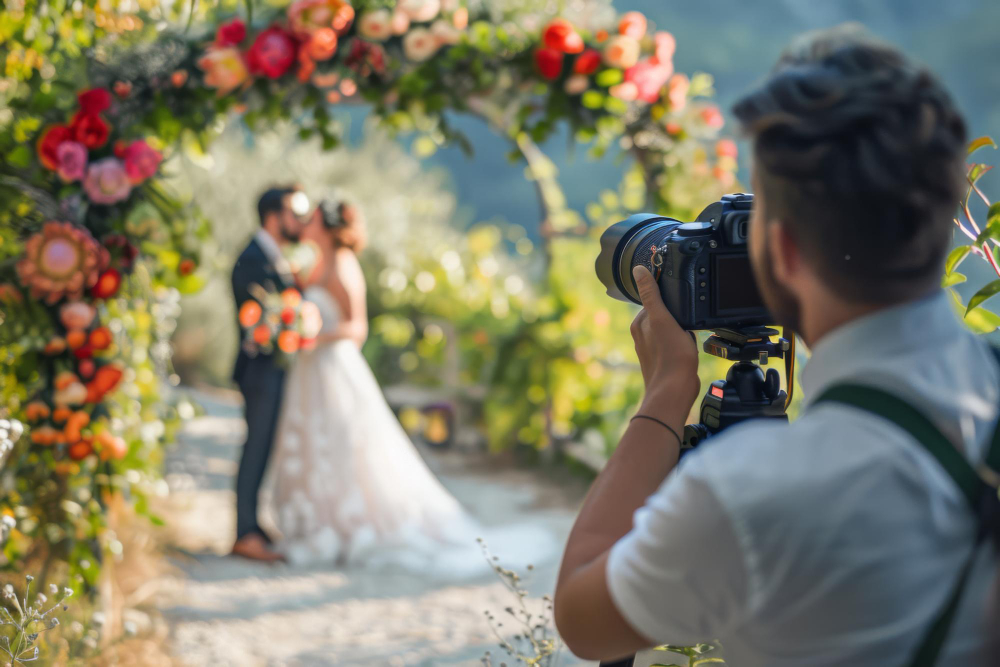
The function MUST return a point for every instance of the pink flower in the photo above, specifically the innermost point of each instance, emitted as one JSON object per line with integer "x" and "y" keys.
{"x": 677, "y": 91}
{"x": 141, "y": 161}
{"x": 726, "y": 148}
{"x": 272, "y": 53}
{"x": 72, "y": 157}
{"x": 77, "y": 315}
{"x": 420, "y": 11}
{"x": 61, "y": 260}
{"x": 231, "y": 33}
{"x": 420, "y": 44}
{"x": 621, "y": 51}
{"x": 649, "y": 76}
{"x": 665, "y": 46}
{"x": 712, "y": 117}
{"x": 376, "y": 26}
{"x": 224, "y": 69}
{"x": 107, "y": 182}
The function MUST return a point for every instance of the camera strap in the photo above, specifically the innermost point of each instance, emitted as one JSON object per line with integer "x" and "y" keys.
{"x": 978, "y": 486}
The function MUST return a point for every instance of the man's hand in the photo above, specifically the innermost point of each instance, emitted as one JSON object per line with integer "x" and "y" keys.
{"x": 668, "y": 355}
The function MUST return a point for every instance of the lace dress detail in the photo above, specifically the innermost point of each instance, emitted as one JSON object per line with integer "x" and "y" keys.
{"x": 348, "y": 485}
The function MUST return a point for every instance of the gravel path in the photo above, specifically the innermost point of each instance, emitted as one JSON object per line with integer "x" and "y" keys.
{"x": 227, "y": 611}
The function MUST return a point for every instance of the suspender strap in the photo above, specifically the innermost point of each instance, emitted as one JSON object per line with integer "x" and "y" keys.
{"x": 976, "y": 492}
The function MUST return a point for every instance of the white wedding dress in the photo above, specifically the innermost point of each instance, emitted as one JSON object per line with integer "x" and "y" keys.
{"x": 347, "y": 485}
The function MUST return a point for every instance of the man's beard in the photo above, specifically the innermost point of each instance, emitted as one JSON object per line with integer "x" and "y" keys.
{"x": 291, "y": 237}
{"x": 781, "y": 303}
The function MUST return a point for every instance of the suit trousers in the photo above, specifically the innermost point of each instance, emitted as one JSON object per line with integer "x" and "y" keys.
{"x": 262, "y": 384}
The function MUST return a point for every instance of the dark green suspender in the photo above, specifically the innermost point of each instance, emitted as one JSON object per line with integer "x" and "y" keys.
{"x": 981, "y": 496}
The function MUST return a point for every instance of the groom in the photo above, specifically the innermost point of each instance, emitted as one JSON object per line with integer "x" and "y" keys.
{"x": 260, "y": 379}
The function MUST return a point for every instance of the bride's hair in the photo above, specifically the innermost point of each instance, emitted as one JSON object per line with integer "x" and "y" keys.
{"x": 343, "y": 222}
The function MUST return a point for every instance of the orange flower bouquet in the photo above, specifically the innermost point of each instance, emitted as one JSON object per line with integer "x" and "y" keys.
{"x": 279, "y": 324}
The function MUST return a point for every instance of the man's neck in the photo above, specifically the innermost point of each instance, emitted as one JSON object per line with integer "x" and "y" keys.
{"x": 822, "y": 315}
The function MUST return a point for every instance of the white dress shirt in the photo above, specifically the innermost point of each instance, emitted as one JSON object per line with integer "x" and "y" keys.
{"x": 273, "y": 252}
{"x": 833, "y": 540}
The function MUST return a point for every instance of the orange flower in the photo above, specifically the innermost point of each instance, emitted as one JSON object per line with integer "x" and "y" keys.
{"x": 64, "y": 380}
{"x": 111, "y": 446}
{"x": 74, "y": 424}
{"x": 100, "y": 338}
{"x": 80, "y": 450}
{"x": 322, "y": 44}
{"x": 45, "y": 436}
{"x": 37, "y": 410}
{"x": 224, "y": 69}
{"x": 55, "y": 346}
{"x": 291, "y": 298}
{"x": 632, "y": 24}
{"x": 262, "y": 334}
{"x": 250, "y": 313}
{"x": 61, "y": 414}
{"x": 289, "y": 341}
{"x": 76, "y": 339}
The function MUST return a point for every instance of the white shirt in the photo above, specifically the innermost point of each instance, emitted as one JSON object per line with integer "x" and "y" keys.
{"x": 833, "y": 540}
{"x": 273, "y": 252}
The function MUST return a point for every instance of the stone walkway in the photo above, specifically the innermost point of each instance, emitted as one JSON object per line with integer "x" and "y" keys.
{"x": 227, "y": 611}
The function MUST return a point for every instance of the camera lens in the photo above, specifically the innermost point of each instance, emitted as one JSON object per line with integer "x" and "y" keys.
{"x": 627, "y": 244}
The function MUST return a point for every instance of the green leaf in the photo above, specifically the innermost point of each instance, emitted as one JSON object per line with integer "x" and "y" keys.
{"x": 956, "y": 257}
{"x": 952, "y": 279}
{"x": 976, "y": 172}
{"x": 592, "y": 99}
{"x": 993, "y": 212}
{"x": 20, "y": 157}
{"x": 990, "y": 231}
{"x": 983, "y": 321}
{"x": 249, "y": 4}
{"x": 615, "y": 105}
{"x": 982, "y": 295}
{"x": 191, "y": 284}
{"x": 976, "y": 144}
{"x": 608, "y": 77}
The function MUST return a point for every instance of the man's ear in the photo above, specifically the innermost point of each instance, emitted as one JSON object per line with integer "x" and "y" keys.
{"x": 783, "y": 251}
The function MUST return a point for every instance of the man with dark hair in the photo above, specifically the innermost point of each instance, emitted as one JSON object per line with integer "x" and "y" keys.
{"x": 260, "y": 379}
{"x": 837, "y": 539}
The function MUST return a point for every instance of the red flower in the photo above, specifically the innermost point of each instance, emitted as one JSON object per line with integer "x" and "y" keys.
{"x": 122, "y": 89}
{"x": 272, "y": 53}
{"x": 288, "y": 315}
{"x": 107, "y": 284}
{"x": 141, "y": 161}
{"x": 560, "y": 35}
{"x": 94, "y": 101}
{"x": 549, "y": 62}
{"x": 231, "y": 34}
{"x": 90, "y": 129}
{"x": 48, "y": 145}
{"x": 587, "y": 62}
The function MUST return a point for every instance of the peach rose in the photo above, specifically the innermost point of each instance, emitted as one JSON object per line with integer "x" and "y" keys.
{"x": 400, "y": 23}
{"x": 224, "y": 69}
{"x": 376, "y": 25}
{"x": 420, "y": 44}
{"x": 576, "y": 84}
{"x": 445, "y": 32}
{"x": 420, "y": 11}
{"x": 621, "y": 51}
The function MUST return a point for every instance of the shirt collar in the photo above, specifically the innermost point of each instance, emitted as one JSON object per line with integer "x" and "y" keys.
{"x": 271, "y": 249}
{"x": 851, "y": 348}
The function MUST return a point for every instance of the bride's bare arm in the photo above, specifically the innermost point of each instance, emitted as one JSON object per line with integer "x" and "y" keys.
{"x": 347, "y": 284}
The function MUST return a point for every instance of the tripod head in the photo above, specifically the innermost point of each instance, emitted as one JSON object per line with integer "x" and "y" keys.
{"x": 747, "y": 392}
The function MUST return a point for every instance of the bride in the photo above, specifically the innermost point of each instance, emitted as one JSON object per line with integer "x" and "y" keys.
{"x": 347, "y": 483}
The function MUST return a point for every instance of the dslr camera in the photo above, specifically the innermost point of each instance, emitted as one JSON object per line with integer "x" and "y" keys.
{"x": 702, "y": 267}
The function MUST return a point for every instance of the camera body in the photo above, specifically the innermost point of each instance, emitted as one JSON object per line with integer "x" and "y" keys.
{"x": 702, "y": 267}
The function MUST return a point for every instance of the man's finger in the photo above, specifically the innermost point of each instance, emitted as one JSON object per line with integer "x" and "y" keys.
{"x": 649, "y": 293}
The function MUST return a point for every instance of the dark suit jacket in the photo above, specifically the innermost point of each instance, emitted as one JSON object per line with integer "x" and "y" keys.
{"x": 253, "y": 267}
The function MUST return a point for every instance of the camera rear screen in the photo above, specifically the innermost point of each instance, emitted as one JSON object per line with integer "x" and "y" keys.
{"x": 735, "y": 289}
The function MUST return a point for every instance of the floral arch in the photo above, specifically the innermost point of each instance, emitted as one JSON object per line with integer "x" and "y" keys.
{"x": 92, "y": 246}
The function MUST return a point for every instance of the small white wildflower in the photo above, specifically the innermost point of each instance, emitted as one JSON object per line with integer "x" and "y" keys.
{"x": 29, "y": 578}
{"x": 98, "y": 618}
{"x": 53, "y": 622}
{"x": 9, "y": 521}
{"x": 41, "y": 598}
{"x": 8, "y": 591}
{"x": 53, "y": 589}
{"x": 85, "y": 564}
{"x": 67, "y": 592}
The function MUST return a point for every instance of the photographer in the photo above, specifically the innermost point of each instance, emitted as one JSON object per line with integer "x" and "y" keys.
{"x": 837, "y": 539}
